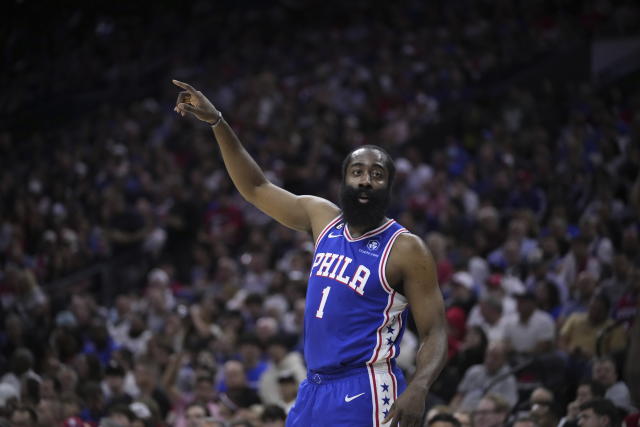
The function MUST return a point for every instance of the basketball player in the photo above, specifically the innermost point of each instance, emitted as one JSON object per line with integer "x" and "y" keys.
{"x": 367, "y": 269}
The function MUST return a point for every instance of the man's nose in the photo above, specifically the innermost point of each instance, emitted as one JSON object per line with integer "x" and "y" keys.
{"x": 365, "y": 180}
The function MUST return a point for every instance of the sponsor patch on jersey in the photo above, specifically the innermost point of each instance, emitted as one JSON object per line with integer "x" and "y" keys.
{"x": 373, "y": 244}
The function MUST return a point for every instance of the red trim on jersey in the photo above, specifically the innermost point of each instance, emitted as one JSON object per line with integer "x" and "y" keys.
{"x": 374, "y": 358}
{"x": 392, "y": 293}
{"x": 393, "y": 380}
{"x": 369, "y": 233}
{"x": 325, "y": 229}
{"x": 382, "y": 267}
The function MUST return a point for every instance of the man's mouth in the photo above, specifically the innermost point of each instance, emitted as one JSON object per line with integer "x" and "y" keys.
{"x": 363, "y": 198}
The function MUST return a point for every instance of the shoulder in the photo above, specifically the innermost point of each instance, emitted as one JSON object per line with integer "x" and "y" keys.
{"x": 409, "y": 248}
{"x": 575, "y": 318}
{"x": 410, "y": 253}
{"x": 543, "y": 318}
{"x": 411, "y": 264}
{"x": 320, "y": 211}
{"x": 478, "y": 369}
{"x": 318, "y": 206}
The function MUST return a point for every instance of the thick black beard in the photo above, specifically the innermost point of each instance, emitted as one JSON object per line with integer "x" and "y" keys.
{"x": 365, "y": 216}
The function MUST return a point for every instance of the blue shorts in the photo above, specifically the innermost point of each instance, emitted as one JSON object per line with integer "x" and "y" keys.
{"x": 356, "y": 398}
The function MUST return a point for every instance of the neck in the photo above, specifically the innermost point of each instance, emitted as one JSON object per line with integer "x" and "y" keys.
{"x": 359, "y": 231}
{"x": 524, "y": 318}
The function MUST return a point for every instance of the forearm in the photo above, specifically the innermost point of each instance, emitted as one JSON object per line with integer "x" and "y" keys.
{"x": 243, "y": 170}
{"x": 430, "y": 359}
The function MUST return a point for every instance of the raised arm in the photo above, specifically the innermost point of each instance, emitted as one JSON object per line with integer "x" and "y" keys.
{"x": 303, "y": 213}
{"x": 417, "y": 271}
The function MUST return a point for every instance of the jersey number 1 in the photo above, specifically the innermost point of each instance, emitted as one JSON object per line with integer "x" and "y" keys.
{"x": 325, "y": 295}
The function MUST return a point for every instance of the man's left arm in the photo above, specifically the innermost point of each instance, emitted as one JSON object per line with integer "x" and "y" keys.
{"x": 417, "y": 272}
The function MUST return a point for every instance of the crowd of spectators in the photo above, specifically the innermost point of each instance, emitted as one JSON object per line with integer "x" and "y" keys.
{"x": 138, "y": 288}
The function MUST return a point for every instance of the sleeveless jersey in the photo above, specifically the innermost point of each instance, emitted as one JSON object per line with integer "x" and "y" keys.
{"x": 353, "y": 318}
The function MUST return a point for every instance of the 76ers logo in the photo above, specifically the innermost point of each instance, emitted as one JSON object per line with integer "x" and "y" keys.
{"x": 373, "y": 245}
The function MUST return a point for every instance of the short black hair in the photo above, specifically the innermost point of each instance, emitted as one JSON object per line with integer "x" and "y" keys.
{"x": 388, "y": 161}
{"x": 602, "y": 407}
{"x": 273, "y": 413}
{"x": 445, "y": 417}
{"x": 249, "y": 339}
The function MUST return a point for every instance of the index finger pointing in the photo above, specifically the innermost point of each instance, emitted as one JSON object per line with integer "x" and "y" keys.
{"x": 185, "y": 86}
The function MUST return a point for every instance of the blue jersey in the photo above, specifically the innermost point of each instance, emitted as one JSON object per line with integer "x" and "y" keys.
{"x": 353, "y": 318}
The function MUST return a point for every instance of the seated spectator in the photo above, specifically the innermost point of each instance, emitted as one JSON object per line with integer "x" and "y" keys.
{"x": 287, "y": 389}
{"x": 273, "y": 416}
{"x": 525, "y": 421}
{"x": 548, "y": 298}
{"x": 471, "y": 352}
{"x": 532, "y": 332}
{"x": 492, "y": 410}
{"x": 587, "y": 390}
{"x": 599, "y": 245}
{"x": 625, "y": 308}
{"x": 23, "y": 416}
{"x": 456, "y": 329}
{"x": 204, "y": 395}
{"x": 544, "y": 409}
{"x": 489, "y": 314}
{"x": 120, "y": 415}
{"x": 578, "y": 260}
{"x": 195, "y": 413}
{"x": 21, "y": 369}
{"x": 250, "y": 351}
{"x": 620, "y": 279}
{"x": 462, "y": 291}
{"x": 444, "y": 420}
{"x": 605, "y": 372}
{"x": 238, "y": 393}
{"x": 580, "y": 296}
{"x": 598, "y": 413}
{"x": 147, "y": 385}
{"x": 50, "y": 412}
{"x": 492, "y": 376}
{"x": 113, "y": 385}
{"x": 99, "y": 342}
{"x": 581, "y": 331}
{"x": 9, "y": 397}
{"x": 94, "y": 407}
{"x": 159, "y": 299}
{"x": 281, "y": 361}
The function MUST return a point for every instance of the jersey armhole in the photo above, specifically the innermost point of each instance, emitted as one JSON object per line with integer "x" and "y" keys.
{"x": 382, "y": 269}
{"x": 326, "y": 229}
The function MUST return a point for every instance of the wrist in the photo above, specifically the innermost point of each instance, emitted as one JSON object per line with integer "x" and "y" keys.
{"x": 215, "y": 122}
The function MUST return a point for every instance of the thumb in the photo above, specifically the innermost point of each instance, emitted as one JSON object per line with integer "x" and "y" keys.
{"x": 188, "y": 108}
{"x": 390, "y": 415}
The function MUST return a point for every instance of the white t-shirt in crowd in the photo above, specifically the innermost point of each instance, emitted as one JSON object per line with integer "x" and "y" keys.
{"x": 524, "y": 337}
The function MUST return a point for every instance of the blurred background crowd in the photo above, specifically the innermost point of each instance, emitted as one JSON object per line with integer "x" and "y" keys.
{"x": 137, "y": 288}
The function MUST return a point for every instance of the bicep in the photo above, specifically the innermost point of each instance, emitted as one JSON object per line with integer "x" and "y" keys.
{"x": 421, "y": 287}
{"x": 297, "y": 212}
